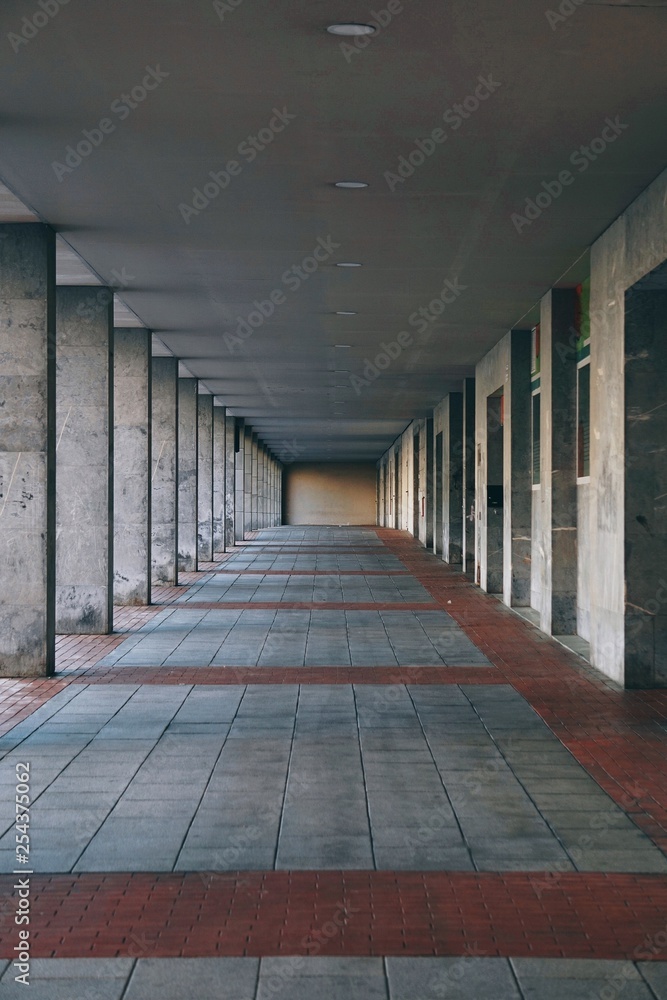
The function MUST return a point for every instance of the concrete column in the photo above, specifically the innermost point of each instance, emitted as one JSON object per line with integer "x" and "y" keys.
{"x": 84, "y": 460}
{"x": 281, "y": 492}
{"x": 452, "y": 489}
{"x": 260, "y": 484}
{"x": 230, "y": 476}
{"x": 239, "y": 481}
{"x": 517, "y": 480}
{"x": 247, "y": 480}
{"x": 27, "y": 450}
{"x": 428, "y": 483}
{"x": 558, "y": 435}
{"x": 254, "y": 485}
{"x": 645, "y": 511}
{"x": 164, "y": 492}
{"x": 132, "y": 467}
{"x": 469, "y": 513}
{"x": 187, "y": 475}
{"x": 204, "y": 477}
{"x": 219, "y": 477}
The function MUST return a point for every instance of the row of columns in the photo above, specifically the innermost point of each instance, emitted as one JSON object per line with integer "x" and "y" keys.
{"x": 116, "y": 474}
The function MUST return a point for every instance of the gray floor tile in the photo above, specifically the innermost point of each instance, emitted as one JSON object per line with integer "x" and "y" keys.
{"x": 203, "y": 978}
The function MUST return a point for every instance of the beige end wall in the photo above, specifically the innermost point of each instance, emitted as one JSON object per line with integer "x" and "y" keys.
{"x": 330, "y": 493}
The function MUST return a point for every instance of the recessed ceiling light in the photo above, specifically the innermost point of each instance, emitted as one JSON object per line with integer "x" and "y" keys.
{"x": 351, "y": 184}
{"x": 351, "y": 28}
{"x": 342, "y": 345}
{"x": 345, "y": 312}
{"x": 348, "y": 264}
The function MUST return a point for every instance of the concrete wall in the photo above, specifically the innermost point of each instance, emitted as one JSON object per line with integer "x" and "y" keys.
{"x": 634, "y": 245}
{"x": 330, "y": 493}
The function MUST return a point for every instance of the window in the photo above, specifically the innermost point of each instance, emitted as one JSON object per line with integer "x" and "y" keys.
{"x": 535, "y": 434}
{"x": 584, "y": 420}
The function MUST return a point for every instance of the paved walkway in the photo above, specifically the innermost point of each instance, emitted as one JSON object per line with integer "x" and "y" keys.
{"x": 328, "y": 767}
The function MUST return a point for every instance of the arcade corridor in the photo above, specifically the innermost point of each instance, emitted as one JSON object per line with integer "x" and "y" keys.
{"x": 329, "y": 744}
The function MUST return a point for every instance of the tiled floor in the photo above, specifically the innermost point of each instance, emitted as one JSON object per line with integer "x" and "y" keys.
{"x": 328, "y": 767}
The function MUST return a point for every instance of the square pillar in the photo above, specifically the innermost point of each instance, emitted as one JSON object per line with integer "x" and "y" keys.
{"x": 27, "y": 450}
{"x": 230, "y": 480}
{"x": 517, "y": 479}
{"x": 132, "y": 466}
{"x": 558, "y": 434}
{"x": 468, "y": 534}
{"x": 247, "y": 481}
{"x": 164, "y": 475}
{"x": 254, "y": 485}
{"x": 219, "y": 477}
{"x": 204, "y": 477}
{"x": 84, "y": 460}
{"x": 452, "y": 488}
{"x": 188, "y": 520}
{"x": 644, "y": 507}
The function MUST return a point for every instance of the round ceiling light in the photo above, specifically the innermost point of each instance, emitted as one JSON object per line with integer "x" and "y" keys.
{"x": 351, "y": 28}
{"x": 351, "y": 184}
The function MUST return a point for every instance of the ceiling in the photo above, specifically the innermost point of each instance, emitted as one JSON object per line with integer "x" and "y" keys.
{"x": 226, "y": 70}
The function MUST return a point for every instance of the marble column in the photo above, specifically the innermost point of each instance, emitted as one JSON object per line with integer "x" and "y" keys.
{"x": 27, "y": 450}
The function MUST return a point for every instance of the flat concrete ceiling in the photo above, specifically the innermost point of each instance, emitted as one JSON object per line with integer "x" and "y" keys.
{"x": 220, "y": 72}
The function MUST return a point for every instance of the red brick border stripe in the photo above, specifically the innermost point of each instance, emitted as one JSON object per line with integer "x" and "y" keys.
{"x": 198, "y": 914}
{"x": 20, "y": 698}
{"x": 291, "y": 675}
{"x": 619, "y": 737}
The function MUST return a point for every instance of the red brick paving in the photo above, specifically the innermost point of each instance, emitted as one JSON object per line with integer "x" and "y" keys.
{"x": 198, "y": 914}
{"x": 20, "y": 698}
{"x": 290, "y": 675}
{"x": 619, "y": 736}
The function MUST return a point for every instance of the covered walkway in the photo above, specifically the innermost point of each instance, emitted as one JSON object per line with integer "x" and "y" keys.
{"x": 328, "y": 766}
